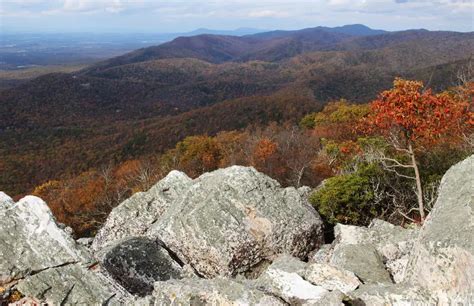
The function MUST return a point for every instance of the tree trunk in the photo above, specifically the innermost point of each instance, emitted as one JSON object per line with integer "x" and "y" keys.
{"x": 419, "y": 190}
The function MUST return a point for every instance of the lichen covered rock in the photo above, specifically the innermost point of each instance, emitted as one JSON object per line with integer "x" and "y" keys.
{"x": 70, "y": 284}
{"x": 137, "y": 263}
{"x": 442, "y": 261}
{"x": 134, "y": 216}
{"x": 231, "y": 219}
{"x": 387, "y": 248}
{"x": 31, "y": 241}
{"x": 41, "y": 261}
{"x": 331, "y": 278}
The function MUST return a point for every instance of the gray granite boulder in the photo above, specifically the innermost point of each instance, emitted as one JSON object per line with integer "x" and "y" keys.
{"x": 136, "y": 263}
{"x": 232, "y": 219}
{"x": 289, "y": 286}
{"x": 43, "y": 262}
{"x": 134, "y": 216}
{"x": 442, "y": 261}
{"x": 283, "y": 278}
{"x": 31, "y": 241}
{"x": 5, "y": 200}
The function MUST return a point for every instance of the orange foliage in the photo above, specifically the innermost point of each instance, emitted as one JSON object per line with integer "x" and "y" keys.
{"x": 264, "y": 149}
{"x": 83, "y": 202}
{"x": 418, "y": 115}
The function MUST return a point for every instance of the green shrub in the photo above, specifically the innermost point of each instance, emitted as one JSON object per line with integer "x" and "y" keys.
{"x": 348, "y": 198}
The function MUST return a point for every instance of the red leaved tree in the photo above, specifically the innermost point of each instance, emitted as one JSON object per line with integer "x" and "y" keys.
{"x": 412, "y": 119}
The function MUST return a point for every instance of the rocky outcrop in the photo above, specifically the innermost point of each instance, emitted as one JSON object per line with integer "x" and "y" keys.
{"x": 133, "y": 217}
{"x": 232, "y": 219}
{"x": 235, "y": 237}
{"x": 223, "y": 223}
{"x": 42, "y": 261}
{"x": 442, "y": 261}
{"x": 137, "y": 263}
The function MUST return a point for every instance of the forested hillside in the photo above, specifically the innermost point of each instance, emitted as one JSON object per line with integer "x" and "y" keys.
{"x": 132, "y": 109}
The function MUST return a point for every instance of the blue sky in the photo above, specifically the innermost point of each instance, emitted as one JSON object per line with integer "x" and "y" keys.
{"x": 185, "y": 15}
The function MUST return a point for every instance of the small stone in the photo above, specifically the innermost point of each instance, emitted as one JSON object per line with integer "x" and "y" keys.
{"x": 331, "y": 278}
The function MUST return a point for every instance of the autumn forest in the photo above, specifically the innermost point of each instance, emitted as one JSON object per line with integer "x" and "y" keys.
{"x": 370, "y": 121}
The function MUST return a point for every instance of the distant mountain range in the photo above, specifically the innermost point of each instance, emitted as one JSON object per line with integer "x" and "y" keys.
{"x": 143, "y": 102}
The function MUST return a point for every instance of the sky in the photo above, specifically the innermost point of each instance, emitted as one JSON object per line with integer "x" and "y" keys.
{"x": 171, "y": 16}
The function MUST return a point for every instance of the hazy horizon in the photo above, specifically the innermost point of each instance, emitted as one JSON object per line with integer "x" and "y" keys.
{"x": 145, "y": 16}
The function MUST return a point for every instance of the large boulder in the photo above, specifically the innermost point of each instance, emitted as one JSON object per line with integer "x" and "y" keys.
{"x": 442, "y": 261}
{"x": 43, "y": 262}
{"x": 232, "y": 219}
{"x": 137, "y": 263}
{"x": 32, "y": 241}
{"x": 134, "y": 216}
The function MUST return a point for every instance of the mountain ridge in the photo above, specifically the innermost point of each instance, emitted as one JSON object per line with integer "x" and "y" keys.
{"x": 165, "y": 93}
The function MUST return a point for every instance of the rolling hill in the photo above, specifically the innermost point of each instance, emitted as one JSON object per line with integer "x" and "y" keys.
{"x": 143, "y": 102}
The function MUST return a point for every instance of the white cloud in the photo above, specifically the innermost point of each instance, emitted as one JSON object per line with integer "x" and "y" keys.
{"x": 387, "y": 14}
{"x": 267, "y": 14}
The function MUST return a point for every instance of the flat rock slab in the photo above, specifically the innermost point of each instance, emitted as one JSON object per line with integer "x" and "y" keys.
{"x": 363, "y": 260}
{"x": 331, "y": 278}
{"x": 390, "y": 294}
{"x": 68, "y": 285}
{"x": 300, "y": 283}
{"x": 207, "y": 292}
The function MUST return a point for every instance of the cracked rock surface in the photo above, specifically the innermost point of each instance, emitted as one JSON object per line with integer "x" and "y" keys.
{"x": 134, "y": 216}
{"x": 235, "y": 237}
{"x": 137, "y": 263}
{"x": 42, "y": 260}
{"x": 232, "y": 219}
{"x": 442, "y": 260}
{"x": 31, "y": 241}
